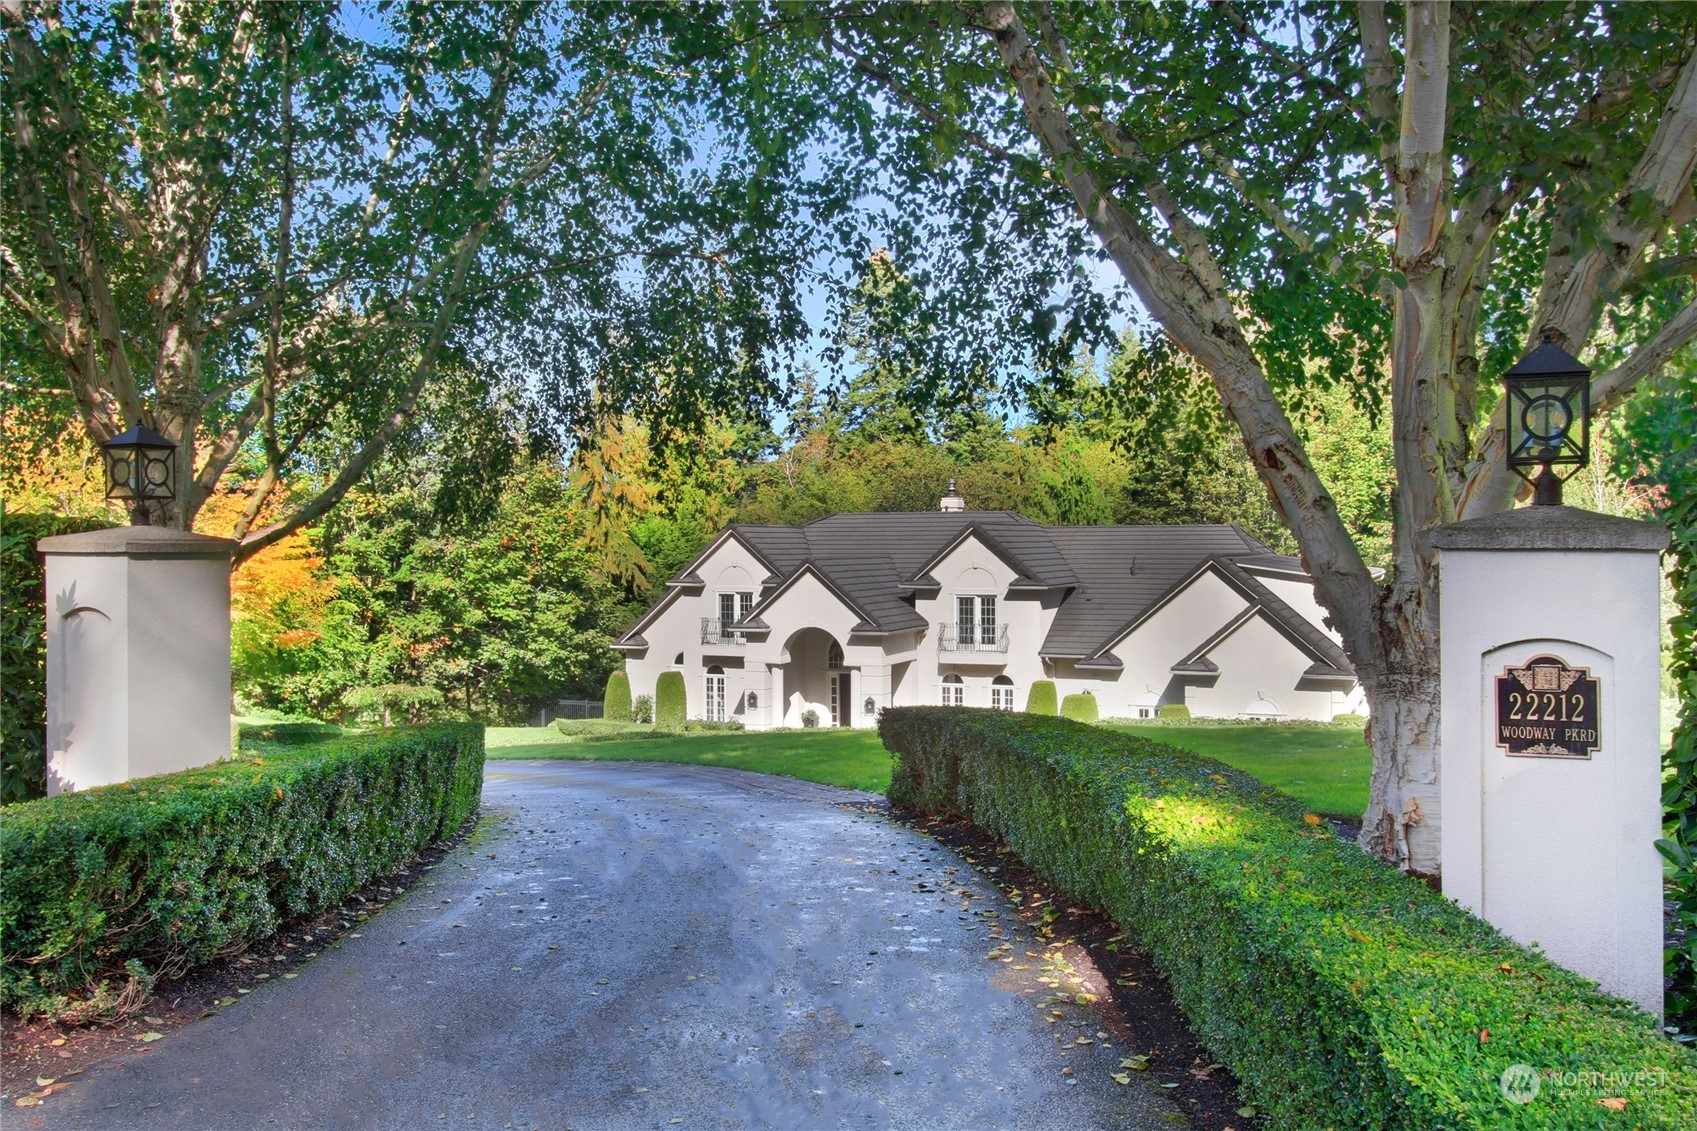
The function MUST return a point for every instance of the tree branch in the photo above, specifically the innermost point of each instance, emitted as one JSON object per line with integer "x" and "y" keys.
{"x": 1203, "y": 323}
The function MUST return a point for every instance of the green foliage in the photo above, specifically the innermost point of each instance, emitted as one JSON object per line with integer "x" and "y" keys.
{"x": 595, "y": 728}
{"x": 1041, "y": 700}
{"x": 809, "y": 719}
{"x": 1658, "y": 446}
{"x": 642, "y": 710}
{"x": 390, "y": 697}
{"x": 615, "y": 703}
{"x": 1349, "y": 720}
{"x": 1341, "y": 992}
{"x": 1174, "y": 711}
{"x": 492, "y": 618}
{"x": 671, "y": 704}
{"x": 675, "y": 278}
{"x": 845, "y": 756}
{"x": 170, "y": 871}
{"x": 23, "y": 649}
{"x": 1080, "y": 707}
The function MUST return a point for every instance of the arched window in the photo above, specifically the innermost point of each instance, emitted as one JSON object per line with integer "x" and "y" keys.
{"x": 1001, "y": 693}
{"x": 715, "y": 687}
{"x": 1262, "y": 708}
{"x": 954, "y": 691}
{"x": 834, "y": 657}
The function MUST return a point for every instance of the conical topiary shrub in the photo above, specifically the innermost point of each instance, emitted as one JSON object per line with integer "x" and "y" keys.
{"x": 1080, "y": 708}
{"x": 1041, "y": 701}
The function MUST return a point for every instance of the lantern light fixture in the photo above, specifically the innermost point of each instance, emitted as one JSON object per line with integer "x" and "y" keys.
{"x": 140, "y": 469}
{"x": 1548, "y": 395}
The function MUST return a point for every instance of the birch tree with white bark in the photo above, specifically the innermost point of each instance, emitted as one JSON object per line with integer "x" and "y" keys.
{"x": 1404, "y": 198}
{"x": 267, "y": 231}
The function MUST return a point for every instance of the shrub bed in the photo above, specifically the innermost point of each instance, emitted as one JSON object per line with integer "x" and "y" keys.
{"x": 1342, "y": 993}
{"x": 161, "y": 873}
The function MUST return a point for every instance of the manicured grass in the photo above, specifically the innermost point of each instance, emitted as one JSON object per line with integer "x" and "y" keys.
{"x": 852, "y": 758}
{"x": 1325, "y": 767}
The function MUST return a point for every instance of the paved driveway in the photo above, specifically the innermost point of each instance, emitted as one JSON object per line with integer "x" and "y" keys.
{"x": 638, "y": 945}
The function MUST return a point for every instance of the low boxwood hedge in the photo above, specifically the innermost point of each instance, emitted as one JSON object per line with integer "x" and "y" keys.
{"x": 165, "y": 872}
{"x": 1342, "y": 993}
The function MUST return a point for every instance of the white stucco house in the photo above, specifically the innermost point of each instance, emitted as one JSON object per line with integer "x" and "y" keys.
{"x": 856, "y": 612}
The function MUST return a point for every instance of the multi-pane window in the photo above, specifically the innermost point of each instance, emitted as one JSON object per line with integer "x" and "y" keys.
{"x": 715, "y": 696}
{"x": 732, "y": 608}
{"x": 954, "y": 691}
{"x": 1001, "y": 693}
{"x": 975, "y": 622}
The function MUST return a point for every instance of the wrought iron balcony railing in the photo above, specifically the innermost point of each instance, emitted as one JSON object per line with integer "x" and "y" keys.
{"x": 972, "y": 637}
{"x": 716, "y": 631}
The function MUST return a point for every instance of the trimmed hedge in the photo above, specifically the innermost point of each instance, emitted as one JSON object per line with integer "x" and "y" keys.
{"x": 671, "y": 705}
{"x": 615, "y": 703}
{"x": 1079, "y": 707}
{"x": 1174, "y": 711}
{"x": 1342, "y": 993}
{"x": 169, "y": 871}
{"x": 23, "y": 648}
{"x": 1042, "y": 700}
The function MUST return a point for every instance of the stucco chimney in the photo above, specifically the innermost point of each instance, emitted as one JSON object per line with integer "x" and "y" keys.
{"x": 951, "y": 500}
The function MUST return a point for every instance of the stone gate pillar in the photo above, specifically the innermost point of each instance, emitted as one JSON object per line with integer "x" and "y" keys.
{"x": 1551, "y": 779}
{"x": 138, "y": 654}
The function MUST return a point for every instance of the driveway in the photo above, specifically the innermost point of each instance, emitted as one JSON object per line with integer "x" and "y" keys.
{"x": 640, "y": 945}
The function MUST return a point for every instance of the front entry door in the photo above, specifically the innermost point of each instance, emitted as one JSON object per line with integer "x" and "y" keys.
{"x": 840, "y": 700}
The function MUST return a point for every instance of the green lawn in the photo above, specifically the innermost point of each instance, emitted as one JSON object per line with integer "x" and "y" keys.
{"x": 853, "y": 758}
{"x": 1326, "y": 768}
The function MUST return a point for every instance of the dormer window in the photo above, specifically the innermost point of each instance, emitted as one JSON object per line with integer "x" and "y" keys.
{"x": 975, "y": 628}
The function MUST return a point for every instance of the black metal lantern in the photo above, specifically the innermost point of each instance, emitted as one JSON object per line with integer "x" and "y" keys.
{"x": 1549, "y": 419}
{"x": 140, "y": 468}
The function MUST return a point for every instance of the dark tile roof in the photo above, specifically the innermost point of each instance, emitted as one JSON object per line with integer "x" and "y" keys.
{"x": 1113, "y": 576}
{"x": 1124, "y": 572}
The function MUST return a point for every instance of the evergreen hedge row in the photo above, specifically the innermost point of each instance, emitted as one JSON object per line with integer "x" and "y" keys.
{"x": 165, "y": 872}
{"x": 1342, "y": 993}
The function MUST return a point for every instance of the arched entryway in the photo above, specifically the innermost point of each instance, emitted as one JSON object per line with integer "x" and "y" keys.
{"x": 816, "y": 679}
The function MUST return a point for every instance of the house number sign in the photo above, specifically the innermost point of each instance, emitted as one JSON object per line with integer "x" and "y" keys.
{"x": 1546, "y": 709}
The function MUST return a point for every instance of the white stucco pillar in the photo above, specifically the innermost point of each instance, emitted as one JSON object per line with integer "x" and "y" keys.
{"x": 138, "y": 654}
{"x": 1551, "y": 781}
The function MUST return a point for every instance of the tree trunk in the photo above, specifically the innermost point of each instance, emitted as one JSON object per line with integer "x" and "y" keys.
{"x": 1402, "y": 824}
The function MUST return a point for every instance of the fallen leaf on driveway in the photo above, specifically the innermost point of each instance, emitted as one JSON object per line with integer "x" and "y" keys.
{"x": 149, "y": 1038}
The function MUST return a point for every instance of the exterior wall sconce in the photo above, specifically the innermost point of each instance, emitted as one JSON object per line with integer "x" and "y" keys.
{"x": 1549, "y": 419}
{"x": 140, "y": 468}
